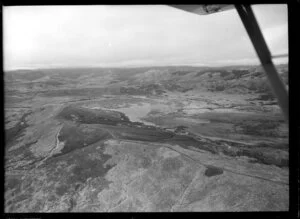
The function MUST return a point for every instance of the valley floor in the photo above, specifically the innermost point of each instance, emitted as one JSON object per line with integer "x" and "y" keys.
{"x": 187, "y": 151}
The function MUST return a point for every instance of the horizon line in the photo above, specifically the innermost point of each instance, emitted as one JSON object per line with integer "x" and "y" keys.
{"x": 139, "y": 66}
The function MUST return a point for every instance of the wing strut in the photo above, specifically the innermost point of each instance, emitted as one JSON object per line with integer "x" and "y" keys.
{"x": 246, "y": 14}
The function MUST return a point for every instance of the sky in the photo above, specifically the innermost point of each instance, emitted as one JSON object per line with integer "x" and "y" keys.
{"x": 134, "y": 35}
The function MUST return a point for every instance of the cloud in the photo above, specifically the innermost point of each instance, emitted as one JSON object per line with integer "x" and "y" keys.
{"x": 130, "y": 35}
{"x": 277, "y": 38}
{"x": 245, "y": 61}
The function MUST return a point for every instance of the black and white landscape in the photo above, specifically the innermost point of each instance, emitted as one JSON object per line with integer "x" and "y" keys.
{"x": 130, "y": 139}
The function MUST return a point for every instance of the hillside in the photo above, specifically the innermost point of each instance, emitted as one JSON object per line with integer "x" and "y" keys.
{"x": 145, "y": 81}
{"x": 152, "y": 139}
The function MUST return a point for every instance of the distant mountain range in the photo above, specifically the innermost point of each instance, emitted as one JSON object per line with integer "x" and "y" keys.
{"x": 143, "y": 81}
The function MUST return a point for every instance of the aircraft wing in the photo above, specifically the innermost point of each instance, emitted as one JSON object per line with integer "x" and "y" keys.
{"x": 204, "y": 9}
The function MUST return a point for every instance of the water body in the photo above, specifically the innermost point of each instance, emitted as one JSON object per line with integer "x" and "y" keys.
{"x": 136, "y": 112}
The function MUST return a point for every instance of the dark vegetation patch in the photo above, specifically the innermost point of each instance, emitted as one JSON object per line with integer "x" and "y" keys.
{"x": 88, "y": 168}
{"x": 239, "y": 73}
{"x": 180, "y": 73}
{"x": 23, "y": 150}
{"x": 49, "y": 84}
{"x": 268, "y": 128}
{"x": 267, "y": 96}
{"x": 21, "y": 197}
{"x": 256, "y": 153}
{"x": 224, "y": 73}
{"x": 239, "y": 118}
{"x": 9, "y": 202}
{"x": 154, "y": 112}
{"x": 281, "y": 146}
{"x": 185, "y": 141}
{"x": 74, "y": 92}
{"x": 157, "y": 135}
{"x": 61, "y": 190}
{"x": 175, "y": 87}
{"x": 72, "y": 73}
{"x": 76, "y": 137}
{"x": 151, "y": 89}
{"x": 201, "y": 73}
{"x": 28, "y": 75}
{"x": 264, "y": 158}
{"x": 141, "y": 134}
{"x": 90, "y": 116}
{"x": 262, "y": 153}
{"x": 26, "y": 155}
{"x": 265, "y": 153}
{"x": 52, "y": 198}
{"x": 72, "y": 204}
{"x": 114, "y": 81}
{"x": 84, "y": 166}
{"x": 53, "y": 83}
{"x": 213, "y": 171}
{"x": 110, "y": 123}
{"x": 14, "y": 132}
{"x": 12, "y": 183}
